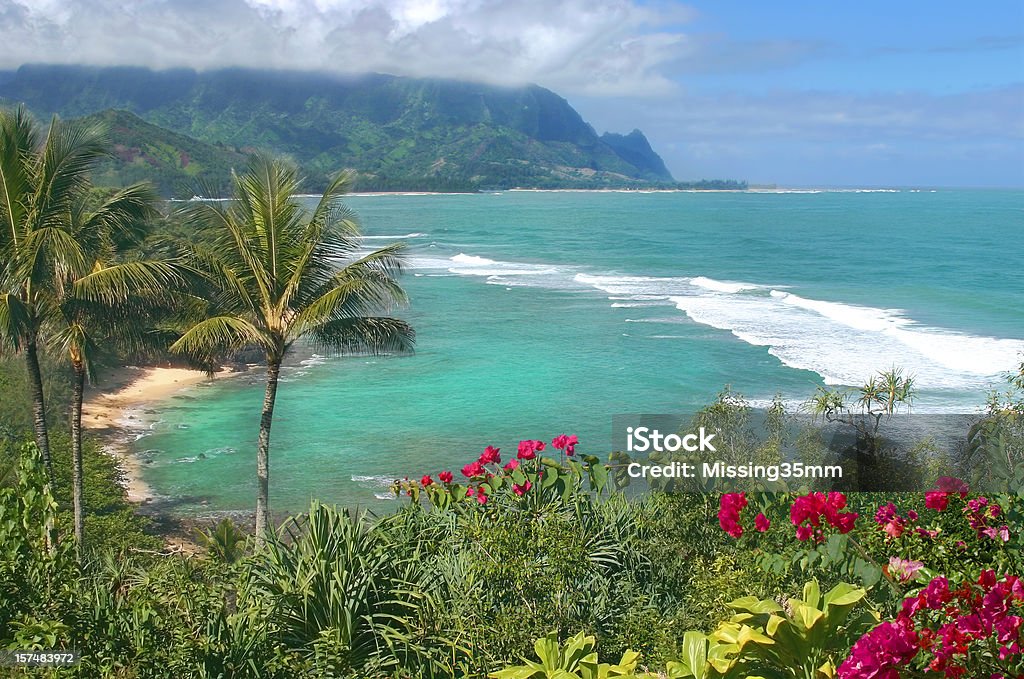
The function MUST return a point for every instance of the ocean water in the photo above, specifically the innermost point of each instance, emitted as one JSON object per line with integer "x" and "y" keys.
{"x": 544, "y": 313}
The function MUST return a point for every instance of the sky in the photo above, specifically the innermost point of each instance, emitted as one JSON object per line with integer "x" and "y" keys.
{"x": 792, "y": 93}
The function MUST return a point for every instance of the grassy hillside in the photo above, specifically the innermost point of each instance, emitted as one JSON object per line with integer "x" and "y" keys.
{"x": 179, "y": 165}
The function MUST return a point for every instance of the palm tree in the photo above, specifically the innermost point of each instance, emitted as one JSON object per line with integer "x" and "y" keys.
{"x": 63, "y": 283}
{"x": 39, "y": 183}
{"x": 280, "y": 273}
{"x": 105, "y": 302}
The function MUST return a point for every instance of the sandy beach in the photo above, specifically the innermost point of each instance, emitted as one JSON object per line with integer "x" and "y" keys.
{"x": 113, "y": 409}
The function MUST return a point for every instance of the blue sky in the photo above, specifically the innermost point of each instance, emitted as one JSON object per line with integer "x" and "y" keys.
{"x": 863, "y": 93}
{"x": 793, "y": 93}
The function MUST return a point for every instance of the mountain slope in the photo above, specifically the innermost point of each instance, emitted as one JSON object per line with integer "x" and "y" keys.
{"x": 177, "y": 164}
{"x": 391, "y": 129}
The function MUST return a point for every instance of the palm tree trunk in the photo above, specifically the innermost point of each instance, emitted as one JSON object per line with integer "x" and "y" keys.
{"x": 38, "y": 405}
{"x": 263, "y": 452}
{"x": 76, "y": 454}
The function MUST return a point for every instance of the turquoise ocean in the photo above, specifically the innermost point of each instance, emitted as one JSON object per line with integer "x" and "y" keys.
{"x": 541, "y": 313}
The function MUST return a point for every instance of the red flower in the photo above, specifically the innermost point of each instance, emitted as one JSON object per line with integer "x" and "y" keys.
{"x": 490, "y": 455}
{"x": 521, "y": 489}
{"x": 566, "y": 443}
{"x": 936, "y": 500}
{"x": 761, "y": 523}
{"x": 446, "y": 477}
{"x": 529, "y": 449}
{"x": 511, "y": 466}
{"x": 730, "y": 506}
{"x": 807, "y": 513}
{"x": 473, "y": 469}
{"x": 426, "y": 481}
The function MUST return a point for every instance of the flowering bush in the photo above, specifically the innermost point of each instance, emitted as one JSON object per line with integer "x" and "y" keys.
{"x": 971, "y": 631}
{"x": 527, "y": 478}
{"x": 810, "y": 513}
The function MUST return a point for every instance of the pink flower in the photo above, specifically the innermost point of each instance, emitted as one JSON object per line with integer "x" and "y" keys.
{"x": 521, "y": 489}
{"x": 730, "y": 506}
{"x": 529, "y": 449}
{"x": 566, "y": 443}
{"x": 936, "y": 500}
{"x": 480, "y": 497}
{"x": 951, "y": 484}
{"x": 903, "y": 570}
{"x": 807, "y": 512}
{"x": 490, "y": 455}
{"x": 511, "y": 466}
{"x": 426, "y": 481}
{"x": 473, "y": 469}
{"x": 446, "y": 477}
{"x": 879, "y": 653}
{"x": 761, "y": 523}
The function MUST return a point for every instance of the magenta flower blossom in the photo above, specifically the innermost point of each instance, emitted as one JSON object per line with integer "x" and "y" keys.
{"x": 566, "y": 443}
{"x": 490, "y": 456}
{"x": 730, "y": 506}
{"x": 446, "y": 477}
{"x": 520, "y": 490}
{"x": 529, "y": 449}
{"x": 473, "y": 469}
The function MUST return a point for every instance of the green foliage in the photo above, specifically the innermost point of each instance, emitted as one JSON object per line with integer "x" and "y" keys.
{"x": 577, "y": 659}
{"x": 16, "y": 405}
{"x": 338, "y": 595}
{"x": 805, "y": 637}
{"x": 225, "y": 542}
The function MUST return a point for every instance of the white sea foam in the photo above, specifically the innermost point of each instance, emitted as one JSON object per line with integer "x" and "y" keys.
{"x": 414, "y": 234}
{"x": 843, "y": 343}
{"x": 721, "y": 286}
{"x": 846, "y": 344}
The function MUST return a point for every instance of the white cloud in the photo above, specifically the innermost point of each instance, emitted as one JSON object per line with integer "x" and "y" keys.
{"x": 595, "y": 47}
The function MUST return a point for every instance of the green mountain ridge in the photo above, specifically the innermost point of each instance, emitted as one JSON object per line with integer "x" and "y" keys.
{"x": 398, "y": 133}
{"x": 177, "y": 164}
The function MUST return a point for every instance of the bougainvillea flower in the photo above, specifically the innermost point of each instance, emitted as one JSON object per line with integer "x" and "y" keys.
{"x": 566, "y": 443}
{"x": 730, "y": 506}
{"x": 473, "y": 469}
{"x": 761, "y": 523}
{"x": 511, "y": 466}
{"x": 490, "y": 456}
{"x": 520, "y": 490}
{"x": 529, "y": 449}
{"x": 446, "y": 477}
{"x": 903, "y": 570}
{"x": 426, "y": 481}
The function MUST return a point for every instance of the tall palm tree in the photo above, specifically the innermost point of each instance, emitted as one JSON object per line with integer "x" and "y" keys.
{"x": 107, "y": 301}
{"x": 63, "y": 282}
{"x": 40, "y": 180}
{"x": 281, "y": 273}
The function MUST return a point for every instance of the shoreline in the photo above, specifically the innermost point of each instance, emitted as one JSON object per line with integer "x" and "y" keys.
{"x": 110, "y": 411}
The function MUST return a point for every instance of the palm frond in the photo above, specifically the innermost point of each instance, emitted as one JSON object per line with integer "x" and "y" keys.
{"x": 120, "y": 282}
{"x": 366, "y": 334}
{"x": 62, "y": 168}
{"x": 219, "y": 334}
{"x": 15, "y": 321}
{"x": 18, "y": 139}
{"x": 124, "y": 216}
